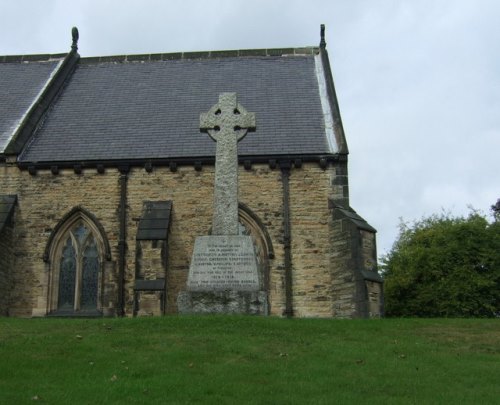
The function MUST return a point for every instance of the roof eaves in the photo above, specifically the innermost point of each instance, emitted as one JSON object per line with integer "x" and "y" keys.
{"x": 357, "y": 220}
{"x": 272, "y": 159}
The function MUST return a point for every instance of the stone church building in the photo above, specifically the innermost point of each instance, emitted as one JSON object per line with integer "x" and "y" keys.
{"x": 106, "y": 181}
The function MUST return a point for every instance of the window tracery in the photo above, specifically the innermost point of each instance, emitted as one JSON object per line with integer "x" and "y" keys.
{"x": 76, "y": 266}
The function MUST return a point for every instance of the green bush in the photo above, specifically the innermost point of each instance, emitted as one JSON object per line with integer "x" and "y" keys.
{"x": 443, "y": 266}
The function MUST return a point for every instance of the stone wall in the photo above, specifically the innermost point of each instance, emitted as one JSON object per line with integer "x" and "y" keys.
{"x": 191, "y": 192}
{"x": 368, "y": 250}
{"x": 375, "y": 299}
{"x": 309, "y": 192}
{"x": 354, "y": 265}
{"x": 43, "y": 200}
{"x": 261, "y": 190}
{"x": 7, "y": 186}
{"x": 151, "y": 259}
{"x": 6, "y": 259}
{"x": 374, "y": 289}
{"x": 321, "y": 266}
{"x": 340, "y": 184}
{"x": 342, "y": 265}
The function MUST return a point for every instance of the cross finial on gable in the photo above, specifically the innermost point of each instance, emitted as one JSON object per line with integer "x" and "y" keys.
{"x": 322, "y": 42}
{"x": 75, "y": 36}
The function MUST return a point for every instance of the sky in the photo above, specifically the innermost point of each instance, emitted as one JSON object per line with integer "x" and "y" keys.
{"x": 418, "y": 82}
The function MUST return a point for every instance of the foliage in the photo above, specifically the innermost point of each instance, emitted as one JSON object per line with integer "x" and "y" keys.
{"x": 443, "y": 266}
{"x": 248, "y": 360}
{"x": 495, "y": 209}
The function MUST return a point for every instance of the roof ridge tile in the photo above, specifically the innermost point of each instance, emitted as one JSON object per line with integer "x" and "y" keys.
{"x": 46, "y": 57}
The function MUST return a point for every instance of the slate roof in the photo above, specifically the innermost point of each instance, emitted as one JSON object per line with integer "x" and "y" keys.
{"x": 20, "y": 85}
{"x": 352, "y": 216}
{"x": 126, "y": 108}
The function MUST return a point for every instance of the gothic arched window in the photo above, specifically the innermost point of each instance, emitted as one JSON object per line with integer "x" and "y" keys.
{"x": 76, "y": 267}
{"x": 250, "y": 225}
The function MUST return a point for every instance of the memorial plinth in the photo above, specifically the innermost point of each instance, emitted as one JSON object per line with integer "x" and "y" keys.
{"x": 222, "y": 263}
{"x": 223, "y": 274}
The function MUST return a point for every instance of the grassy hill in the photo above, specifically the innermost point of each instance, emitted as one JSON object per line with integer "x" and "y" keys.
{"x": 256, "y": 360}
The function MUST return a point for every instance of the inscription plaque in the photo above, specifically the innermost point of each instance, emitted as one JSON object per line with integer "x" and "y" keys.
{"x": 223, "y": 262}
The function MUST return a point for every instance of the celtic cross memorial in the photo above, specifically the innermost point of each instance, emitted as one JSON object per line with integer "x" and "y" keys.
{"x": 225, "y": 260}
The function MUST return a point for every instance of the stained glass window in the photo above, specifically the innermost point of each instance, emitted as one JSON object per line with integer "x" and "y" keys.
{"x": 90, "y": 270}
{"x": 67, "y": 277}
{"x": 80, "y": 233}
{"x": 78, "y": 271}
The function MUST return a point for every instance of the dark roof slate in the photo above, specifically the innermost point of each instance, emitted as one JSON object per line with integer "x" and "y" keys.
{"x": 20, "y": 84}
{"x": 155, "y": 220}
{"x": 150, "y": 109}
{"x": 351, "y": 215}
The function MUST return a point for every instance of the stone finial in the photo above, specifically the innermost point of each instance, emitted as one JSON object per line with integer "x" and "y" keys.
{"x": 322, "y": 43}
{"x": 75, "y": 36}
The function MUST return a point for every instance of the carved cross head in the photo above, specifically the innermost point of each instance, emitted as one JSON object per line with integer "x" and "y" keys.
{"x": 227, "y": 118}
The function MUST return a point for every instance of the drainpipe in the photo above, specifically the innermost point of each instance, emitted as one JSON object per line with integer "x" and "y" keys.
{"x": 122, "y": 239}
{"x": 285, "y": 167}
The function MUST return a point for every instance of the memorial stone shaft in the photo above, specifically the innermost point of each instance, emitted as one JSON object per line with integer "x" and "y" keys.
{"x": 227, "y": 122}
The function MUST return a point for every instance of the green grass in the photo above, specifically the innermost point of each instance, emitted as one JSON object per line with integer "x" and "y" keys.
{"x": 256, "y": 360}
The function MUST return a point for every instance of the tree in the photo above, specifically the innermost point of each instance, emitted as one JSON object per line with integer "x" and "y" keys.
{"x": 495, "y": 209}
{"x": 442, "y": 266}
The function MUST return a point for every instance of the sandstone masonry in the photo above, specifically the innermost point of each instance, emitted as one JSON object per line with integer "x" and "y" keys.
{"x": 322, "y": 256}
